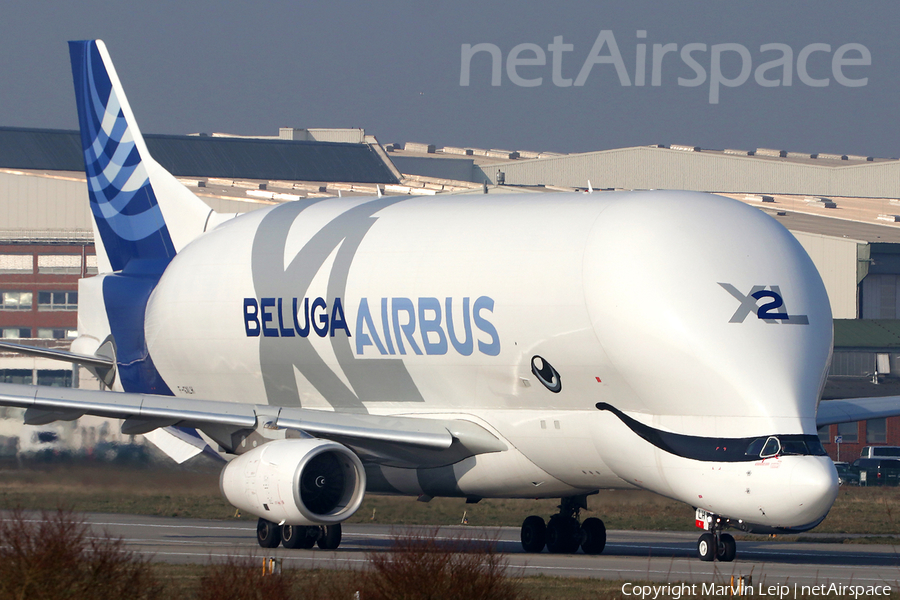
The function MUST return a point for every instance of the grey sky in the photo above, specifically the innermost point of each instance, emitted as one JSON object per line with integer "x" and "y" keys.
{"x": 393, "y": 67}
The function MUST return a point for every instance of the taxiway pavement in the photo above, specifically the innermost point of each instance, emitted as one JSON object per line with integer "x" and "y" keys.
{"x": 629, "y": 555}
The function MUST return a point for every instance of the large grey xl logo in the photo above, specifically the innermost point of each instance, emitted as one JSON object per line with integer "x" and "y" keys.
{"x": 371, "y": 380}
{"x": 766, "y": 311}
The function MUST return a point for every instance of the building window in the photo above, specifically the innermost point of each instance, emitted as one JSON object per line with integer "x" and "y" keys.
{"x": 16, "y": 300}
{"x": 22, "y": 376}
{"x": 16, "y": 264}
{"x": 14, "y": 333}
{"x": 57, "y": 300}
{"x": 90, "y": 264}
{"x": 59, "y": 264}
{"x": 825, "y": 434}
{"x": 849, "y": 432}
{"x": 56, "y": 334}
{"x": 55, "y": 377}
{"x": 876, "y": 431}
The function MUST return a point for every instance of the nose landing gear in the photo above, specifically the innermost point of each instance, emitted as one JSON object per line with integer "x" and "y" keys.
{"x": 714, "y": 544}
{"x": 563, "y": 534}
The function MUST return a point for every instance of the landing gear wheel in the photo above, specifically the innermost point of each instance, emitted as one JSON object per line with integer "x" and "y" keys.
{"x": 331, "y": 539}
{"x": 706, "y": 547}
{"x": 534, "y": 534}
{"x": 291, "y": 536}
{"x": 268, "y": 534}
{"x": 310, "y": 536}
{"x": 297, "y": 537}
{"x": 593, "y": 536}
{"x": 563, "y": 535}
{"x": 727, "y": 548}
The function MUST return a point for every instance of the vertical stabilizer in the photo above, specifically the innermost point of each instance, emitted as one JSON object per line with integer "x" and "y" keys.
{"x": 141, "y": 213}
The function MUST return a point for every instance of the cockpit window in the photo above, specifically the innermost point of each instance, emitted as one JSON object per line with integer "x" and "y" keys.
{"x": 797, "y": 445}
{"x": 794, "y": 447}
{"x": 772, "y": 447}
{"x": 815, "y": 446}
{"x": 755, "y": 447}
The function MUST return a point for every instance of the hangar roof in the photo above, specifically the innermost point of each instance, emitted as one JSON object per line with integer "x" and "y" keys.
{"x": 866, "y": 333}
{"x": 275, "y": 170}
{"x": 186, "y": 156}
{"x": 836, "y": 227}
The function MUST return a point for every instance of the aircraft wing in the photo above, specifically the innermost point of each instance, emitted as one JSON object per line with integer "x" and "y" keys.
{"x": 856, "y": 409}
{"x": 395, "y": 440}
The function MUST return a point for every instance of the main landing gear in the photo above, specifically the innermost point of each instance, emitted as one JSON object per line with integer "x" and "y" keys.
{"x": 269, "y": 535}
{"x": 564, "y": 534}
{"x": 714, "y": 544}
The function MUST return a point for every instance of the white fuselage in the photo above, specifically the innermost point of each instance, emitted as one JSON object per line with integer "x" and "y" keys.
{"x": 635, "y": 299}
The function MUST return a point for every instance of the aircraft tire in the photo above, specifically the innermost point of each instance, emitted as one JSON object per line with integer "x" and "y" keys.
{"x": 706, "y": 547}
{"x": 534, "y": 534}
{"x": 563, "y": 535}
{"x": 268, "y": 534}
{"x": 312, "y": 536}
{"x": 296, "y": 537}
{"x": 331, "y": 539}
{"x": 290, "y": 536}
{"x": 727, "y": 548}
{"x": 593, "y": 536}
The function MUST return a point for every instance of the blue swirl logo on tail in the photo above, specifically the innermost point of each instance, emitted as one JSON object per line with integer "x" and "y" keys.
{"x": 123, "y": 202}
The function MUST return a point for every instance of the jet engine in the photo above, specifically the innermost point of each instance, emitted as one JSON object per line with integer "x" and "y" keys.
{"x": 296, "y": 481}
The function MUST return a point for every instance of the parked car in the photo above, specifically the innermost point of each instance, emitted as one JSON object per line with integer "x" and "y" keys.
{"x": 880, "y": 452}
{"x": 847, "y": 474}
{"x": 877, "y": 471}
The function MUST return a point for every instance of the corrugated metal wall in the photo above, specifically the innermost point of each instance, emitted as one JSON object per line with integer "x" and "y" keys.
{"x": 33, "y": 206}
{"x": 852, "y": 364}
{"x": 880, "y": 293}
{"x": 660, "y": 168}
{"x": 39, "y": 205}
{"x": 836, "y": 259}
{"x": 855, "y": 363}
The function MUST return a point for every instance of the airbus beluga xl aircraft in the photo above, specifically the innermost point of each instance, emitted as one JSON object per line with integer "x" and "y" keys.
{"x": 523, "y": 346}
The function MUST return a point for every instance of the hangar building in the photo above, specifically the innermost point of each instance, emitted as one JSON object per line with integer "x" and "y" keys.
{"x": 841, "y": 209}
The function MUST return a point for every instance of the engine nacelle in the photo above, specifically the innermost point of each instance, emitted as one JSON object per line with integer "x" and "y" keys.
{"x": 296, "y": 481}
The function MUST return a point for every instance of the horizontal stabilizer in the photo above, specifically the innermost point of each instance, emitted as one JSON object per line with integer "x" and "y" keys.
{"x": 63, "y": 355}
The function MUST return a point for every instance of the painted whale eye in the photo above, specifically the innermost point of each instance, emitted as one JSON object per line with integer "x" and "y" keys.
{"x": 546, "y": 374}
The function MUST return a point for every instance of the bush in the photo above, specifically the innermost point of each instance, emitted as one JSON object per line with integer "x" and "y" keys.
{"x": 243, "y": 579}
{"x": 421, "y": 567}
{"x": 55, "y": 556}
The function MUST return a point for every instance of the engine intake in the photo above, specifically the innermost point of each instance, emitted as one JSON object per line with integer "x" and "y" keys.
{"x": 297, "y": 482}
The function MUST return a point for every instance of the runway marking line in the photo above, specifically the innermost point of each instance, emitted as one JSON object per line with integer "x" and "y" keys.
{"x": 332, "y": 558}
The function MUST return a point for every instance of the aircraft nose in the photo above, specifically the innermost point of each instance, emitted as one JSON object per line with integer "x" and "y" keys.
{"x": 813, "y": 487}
